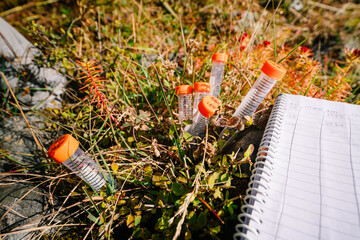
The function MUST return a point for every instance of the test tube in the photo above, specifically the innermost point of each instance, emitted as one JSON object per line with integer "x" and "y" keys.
{"x": 270, "y": 73}
{"x": 66, "y": 150}
{"x": 217, "y": 72}
{"x": 206, "y": 108}
{"x": 201, "y": 89}
{"x": 184, "y": 93}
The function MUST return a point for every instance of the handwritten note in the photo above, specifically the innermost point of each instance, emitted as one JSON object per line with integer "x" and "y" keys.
{"x": 314, "y": 191}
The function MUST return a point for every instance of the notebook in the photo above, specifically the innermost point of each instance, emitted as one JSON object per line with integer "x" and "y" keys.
{"x": 306, "y": 178}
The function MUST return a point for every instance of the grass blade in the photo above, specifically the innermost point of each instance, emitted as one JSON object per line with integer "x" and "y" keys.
{"x": 294, "y": 49}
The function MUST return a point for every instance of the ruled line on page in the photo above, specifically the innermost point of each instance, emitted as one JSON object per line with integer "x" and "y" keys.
{"x": 313, "y": 206}
{"x": 308, "y": 163}
{"x": 303, "y": 176}
{"x": 289, "y": 159}
{"x": 352, "y": 170}
{"x": 320, "y": 170}
{"x": 310, "y": 201}
{"x": 304, "y": 186}
{"x": 297, "y": 228}
{"x": 313, "y": 191}
{"x": 312, "y": 137}
{"x": 320, "y": 187}
{"x": 302, "y": 220}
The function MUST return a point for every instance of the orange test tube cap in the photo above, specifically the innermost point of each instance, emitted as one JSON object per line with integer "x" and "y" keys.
{"x": 183, "y": 89}
{"x": 202, "y": 87}
{"x": 63, "y": 148}
{"x": 274, "y": 70}
{"x": 220, "y": 57}
{"x": 208, "y": 106}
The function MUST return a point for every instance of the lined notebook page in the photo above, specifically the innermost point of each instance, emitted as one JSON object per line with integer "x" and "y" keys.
{"x": 314, "y": 192}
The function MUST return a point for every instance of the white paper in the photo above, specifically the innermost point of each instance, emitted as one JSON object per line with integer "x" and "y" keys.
{"x": 314, "y": 191}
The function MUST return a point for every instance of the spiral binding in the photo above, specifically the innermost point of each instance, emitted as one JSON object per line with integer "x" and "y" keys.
{"x": 262, "y": 173}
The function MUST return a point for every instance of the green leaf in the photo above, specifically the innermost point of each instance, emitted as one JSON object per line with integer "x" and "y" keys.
{"x": 164, "y": 195}
{"x": 148, "y": 170}
{"x": 249, "y": 151}
{"x": 137, "y": 220}
{"x": 124, "y": 210}
{"x": 202, "y": 219}
{"x": 102, "y": 217}
{"x": 188, "y": 122}
{"x": 224, "y": 161}
{"x": 92, "y": 217}
{"x": 157, "y": 177}
{"x": 228, "y": 183}
{"x": 224, "y": 177}
{"x": 102, "y": 228}
{"x": 137, "y": 232}
{"x": 122, "y": 202}
{"x": 171, "y": 130}
{"x": 178, "y": 189}
{"x": 162, "y": 223}
{"x": 215, "y": 230}
{"x": 198, "y": 167}
{"x": 160, "y": 203}
{"x": 222, "y": 143}
{"x": 211, "y": 181}
{"x": 181, "y": 180}
{"x": 192, "y": 218}
{"x": 218, "y": 194}
{"x": 130, "y": 220}
{"x": 142, "y": 153}
{"x": 248, "y": 121}
{"x": 231, "y": 211}
{"x": 188, "y": 137}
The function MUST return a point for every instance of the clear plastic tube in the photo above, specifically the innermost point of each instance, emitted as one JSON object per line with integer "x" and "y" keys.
{"x": 184, "y": 93}
{"x": 217, "y": 72}
{"x": 255, "y": 96}
{"x": 87, "y": 169}
{"x": 270, "y": 73}
{"x": 197, "y": 98}
{"x": 199, "y": 125}
{"x": 66, "y": 150}
{"x": 201, "y": 89}
{"x": 185, "y": 109}
{"x": 216, "y": 77}
{"x": 207, "y": 107}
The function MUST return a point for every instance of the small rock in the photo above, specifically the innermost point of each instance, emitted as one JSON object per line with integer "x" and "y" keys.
{"x": 144, "y": 61}
{"x": 36, "y": 87}
{"x": 29, "y": 209}
{"x": 248, "y": 20}
{"x": 17, "y": 140}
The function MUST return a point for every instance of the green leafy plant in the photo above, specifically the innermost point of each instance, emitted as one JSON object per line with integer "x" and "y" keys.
{"x": 171, "y": 184}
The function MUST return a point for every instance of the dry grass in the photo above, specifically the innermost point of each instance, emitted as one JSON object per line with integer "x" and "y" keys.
{"x": 129, "y": 122}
